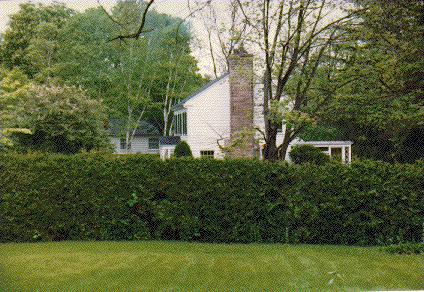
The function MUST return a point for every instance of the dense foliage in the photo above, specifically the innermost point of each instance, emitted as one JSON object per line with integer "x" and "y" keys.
{"x": 376, "y": 95}
{"x": 405, "y": 248}
{"x": 137, "y": 79}
{"x": 97, "y": 197}
{"x": 20, "y": 46}
{"x": 60, "y": 119}
{"x": 307, "y": 153}
{"x": 183, "y": 150}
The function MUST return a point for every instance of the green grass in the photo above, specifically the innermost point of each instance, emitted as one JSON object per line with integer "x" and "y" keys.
{"x": 189, "y": 266}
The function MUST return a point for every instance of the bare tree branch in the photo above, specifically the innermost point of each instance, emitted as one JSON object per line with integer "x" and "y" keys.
{"x": 188, "y": 16}
{"x": 140, "y": 29}
{"x": 109, "y": 15}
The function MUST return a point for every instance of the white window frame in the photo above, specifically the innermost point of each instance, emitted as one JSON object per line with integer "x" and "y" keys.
{"x": 180, "y": 123}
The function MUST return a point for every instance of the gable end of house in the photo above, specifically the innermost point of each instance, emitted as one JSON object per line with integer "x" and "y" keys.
{"x": 180, "y": 105}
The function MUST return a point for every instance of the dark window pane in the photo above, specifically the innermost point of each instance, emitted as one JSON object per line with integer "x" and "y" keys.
{"x": 207, "y": 154}
{"x": 153, "y": 143}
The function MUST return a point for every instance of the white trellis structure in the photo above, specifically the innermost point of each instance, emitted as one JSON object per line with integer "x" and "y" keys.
{"x": 342, "y": 149}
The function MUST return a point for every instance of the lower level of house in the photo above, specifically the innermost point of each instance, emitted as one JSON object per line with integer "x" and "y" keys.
{"x": 164, "y": 146}
{"x": 211, "y": 147}
{"x": 341, "y": 150}
{"x": 138, "y": 145}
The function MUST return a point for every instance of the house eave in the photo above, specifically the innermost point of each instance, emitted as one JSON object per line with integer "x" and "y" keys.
{"x": 178, "y": 107}
{"x": 181, "y": 104}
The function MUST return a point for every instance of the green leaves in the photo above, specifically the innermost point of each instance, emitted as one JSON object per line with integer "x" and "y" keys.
{"x": 51, "y": 43}
{"x": 61, "y": 119}
{"x": 110, "y": 197}
{"x": 308, "y": 154}
{"x": 182, "y": 150}
{"x": 377, "y": 92}
{"x": 25, "y": 26}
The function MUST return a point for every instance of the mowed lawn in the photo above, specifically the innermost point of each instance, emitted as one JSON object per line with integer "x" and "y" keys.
{"x": 192, "y": 266}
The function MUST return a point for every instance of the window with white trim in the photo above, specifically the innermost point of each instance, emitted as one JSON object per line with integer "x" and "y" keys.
{"x": 207, "y": 154}
{"x": 180, "y": 124}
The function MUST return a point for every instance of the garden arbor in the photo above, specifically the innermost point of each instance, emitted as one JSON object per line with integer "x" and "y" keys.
{"x": 337, "y": 149}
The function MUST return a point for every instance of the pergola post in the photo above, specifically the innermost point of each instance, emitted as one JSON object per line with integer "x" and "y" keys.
{"x": 350, "y": 154}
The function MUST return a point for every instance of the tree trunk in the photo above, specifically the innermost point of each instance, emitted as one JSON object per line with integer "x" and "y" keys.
{"x": 127, "y": 141}
{"x": 282, "y": 151}
{"x": 127, "y": 132}
{"x": 271, "y": 150}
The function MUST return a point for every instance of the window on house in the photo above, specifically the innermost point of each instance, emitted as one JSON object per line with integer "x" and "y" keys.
{"x": 207, "y": 154}
{"x": 180, "y": 124}
{"x": 184, "y": 117}
{"x": 124, "y": 144}
{"x": 153, "y": 143}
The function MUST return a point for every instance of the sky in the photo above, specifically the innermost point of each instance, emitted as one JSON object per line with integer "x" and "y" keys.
{"x": 176, "y": 8}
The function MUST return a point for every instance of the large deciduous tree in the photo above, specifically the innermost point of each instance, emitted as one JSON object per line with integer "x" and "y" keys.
{"x": 382, "y": 108}
{"x": 32, "y": 24}
{"x": 139, "y": 78}
{"x": 293, "y": 38}
{"x": 292, "y": 42}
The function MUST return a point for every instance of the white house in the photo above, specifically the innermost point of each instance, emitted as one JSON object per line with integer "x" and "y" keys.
{"x": 145, "y": 141}
{"x": 214, "y": 115}
{"x": 203, "y": 119}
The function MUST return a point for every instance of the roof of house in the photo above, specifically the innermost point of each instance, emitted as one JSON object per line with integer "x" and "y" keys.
{"x": 144, "y": 129}
{"x": 203, "y": 88}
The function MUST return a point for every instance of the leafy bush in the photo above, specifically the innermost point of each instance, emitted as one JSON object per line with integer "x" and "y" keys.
{"x": 183, "y": 150}
{"x": 405, "y": 248}
{"x": 61, "y": 119}
{"x": 113, "y": 197}
{"x": 307, "y": 153}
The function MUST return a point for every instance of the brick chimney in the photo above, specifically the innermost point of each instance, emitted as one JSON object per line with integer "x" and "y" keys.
{"x": 241, "y": 103}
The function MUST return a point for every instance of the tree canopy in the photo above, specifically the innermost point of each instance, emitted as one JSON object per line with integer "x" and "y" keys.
{"x": 31, "y": 22}
{"x": 377, "y": 92}
{"x": 136, "y": 78}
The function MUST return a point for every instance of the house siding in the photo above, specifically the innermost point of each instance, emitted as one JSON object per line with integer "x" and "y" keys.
{"x": 208, "y": 119}
{"x": 138, "y": 145}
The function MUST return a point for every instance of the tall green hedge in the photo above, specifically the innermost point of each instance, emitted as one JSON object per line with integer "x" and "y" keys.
{"x": 110, "y": 197}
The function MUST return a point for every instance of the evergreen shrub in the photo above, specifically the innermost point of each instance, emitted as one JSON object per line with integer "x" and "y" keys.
{"x": 45, "y": 197}
{"x": 183, "y": 150}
